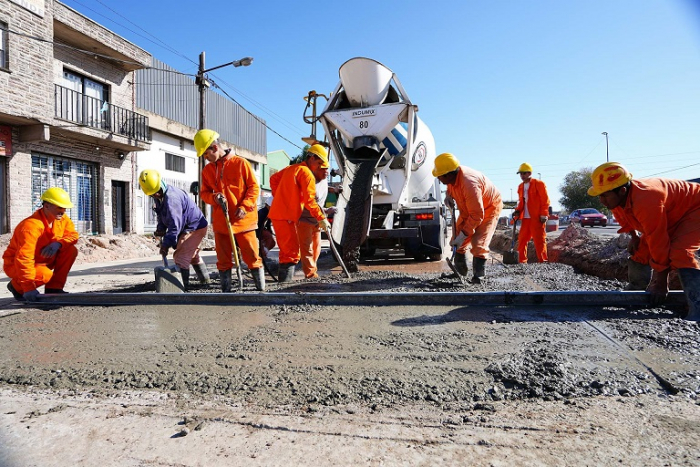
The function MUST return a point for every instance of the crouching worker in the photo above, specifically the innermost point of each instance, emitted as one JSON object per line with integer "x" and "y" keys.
{"x": 667, "y": 215}
{"x": 42, "y": 249}
{"x": 479, "y": 204}
{"x": 181, "y": 225}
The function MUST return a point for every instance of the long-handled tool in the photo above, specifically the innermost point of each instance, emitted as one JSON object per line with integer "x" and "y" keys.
{"x": 336, "y": 254}
{"x": 451, "y": 261}
{"x": 239, "y": 273}
{"x": 511, "y": 257}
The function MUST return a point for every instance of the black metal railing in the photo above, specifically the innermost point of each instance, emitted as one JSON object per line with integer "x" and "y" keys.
{"x": 95, "y": 113}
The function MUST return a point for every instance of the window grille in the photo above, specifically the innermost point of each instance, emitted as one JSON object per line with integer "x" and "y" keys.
{"x": 174, "y": 163}
{"x": 78, "y": 178}
{"x": 4, "y": 47}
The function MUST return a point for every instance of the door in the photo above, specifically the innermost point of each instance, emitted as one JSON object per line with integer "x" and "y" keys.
{"x": 118, "y": 207}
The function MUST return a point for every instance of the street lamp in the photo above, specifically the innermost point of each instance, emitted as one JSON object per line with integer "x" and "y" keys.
{"x": 607, "y": 154}
{"x": 203, "y": 84}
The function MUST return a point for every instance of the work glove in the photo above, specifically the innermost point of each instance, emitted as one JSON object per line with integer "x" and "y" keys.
{"x": 543, "y": 219}
{"x": 459, "y": 239}
{"x": 324, "y": 224}
{"x": 516, "y": 214}
{"x": 164, "y": 250}
{"x": 658, "y": 287}
{"x": 240, "y": 214}
{"x": 159, "y": 233}
{"x": 633, "y": 245}
{"x": 331, "y": 210}
{"x": 31, "y": 296}
{"x": 449, "y": 202}
{"x": 51, "y": 249}
{"x": 221, "y": 200}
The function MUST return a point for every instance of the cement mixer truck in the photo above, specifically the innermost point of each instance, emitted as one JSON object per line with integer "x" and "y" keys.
{"x": 385, "y": 154}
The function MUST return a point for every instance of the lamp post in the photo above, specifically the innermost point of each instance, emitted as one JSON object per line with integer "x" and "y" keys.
{"x": 607, "y": 154}
{"x": 203, "y": 84}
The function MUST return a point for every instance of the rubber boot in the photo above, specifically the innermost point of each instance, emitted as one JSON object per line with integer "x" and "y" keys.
{"x": 461, "y": 264}
{"x": 479, "y": 266}
{"x": 225, "y": 277}
{"x": 18, "y": 296}
{"x": 638, "y": 275}
{"x": 185, "y": 275}
{"x": 286, "y": 272}
{"x": 202, "y": 273}
{"x": 258, "y": 278}
{"x": 690, "y": 280}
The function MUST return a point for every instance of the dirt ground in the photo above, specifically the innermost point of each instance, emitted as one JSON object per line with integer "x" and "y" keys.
{"x": 372, "y": 385}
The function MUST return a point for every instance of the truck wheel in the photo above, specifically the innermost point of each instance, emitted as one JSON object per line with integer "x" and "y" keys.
{"x": 435, "y": 257}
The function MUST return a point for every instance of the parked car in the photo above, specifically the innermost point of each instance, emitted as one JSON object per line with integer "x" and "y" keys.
{"x": 588, "y": 217}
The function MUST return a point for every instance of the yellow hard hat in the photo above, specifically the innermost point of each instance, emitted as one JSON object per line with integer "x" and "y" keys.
{"x": 445, "y": 163}
{"x": 203, "y": 139}
{"x": 150, "y": 181}
{"x": 607, "y": 177}
{"x": 321, "y": 152}
{"x": 57, "y": 196}
{"x": 524, "y": 167}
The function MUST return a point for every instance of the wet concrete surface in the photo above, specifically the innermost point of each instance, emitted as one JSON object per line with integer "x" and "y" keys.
{"x": 373, "y": 358}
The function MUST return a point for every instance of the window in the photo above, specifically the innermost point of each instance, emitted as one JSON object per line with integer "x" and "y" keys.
{"x": 174, "y": 163}
{"x": 85, "y": 101}
{"x": 4, "y": 47}
{"x": 78, "y": 178}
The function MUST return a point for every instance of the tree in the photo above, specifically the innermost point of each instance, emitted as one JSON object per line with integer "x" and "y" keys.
{"x": 575, "y": 191}
{"x": 301, "y": 157}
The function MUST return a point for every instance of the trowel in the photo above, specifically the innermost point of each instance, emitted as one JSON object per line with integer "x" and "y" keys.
{"x": 511, "y": 257}
{"x": 168, "y": 278}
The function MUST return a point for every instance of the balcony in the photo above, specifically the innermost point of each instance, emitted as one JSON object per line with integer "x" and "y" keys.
{"x": 91, "y": 112}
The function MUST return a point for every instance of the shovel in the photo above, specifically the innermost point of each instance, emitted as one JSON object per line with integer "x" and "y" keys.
{"x": 451, "y": 261}
{"x": 336, "y": 254}
{"x": 239, "y": 273}
{"x": 511, "y": 257}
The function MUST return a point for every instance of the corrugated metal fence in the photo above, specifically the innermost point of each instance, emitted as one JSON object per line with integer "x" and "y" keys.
{"x": 176, "y": 96}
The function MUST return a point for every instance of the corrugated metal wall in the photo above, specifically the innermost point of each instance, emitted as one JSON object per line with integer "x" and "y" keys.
{"x": 176, "y": 96}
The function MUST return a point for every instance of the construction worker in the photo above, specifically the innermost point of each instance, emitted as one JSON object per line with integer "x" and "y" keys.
{"x": 533, "y": 210}
{"x": 294, "y": 188}
{"x": 181, "y": 225}
{"x": 663, "y": 217}
{"x": 264, "y": 232}
{"x": 479, "y": 204}
{"x": 42, "y": 249}
{"x": 229, "y": 181}
{"x": 308, "y": 229}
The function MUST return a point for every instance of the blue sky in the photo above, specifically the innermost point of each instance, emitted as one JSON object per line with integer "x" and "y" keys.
{"x": 499, "y": 82}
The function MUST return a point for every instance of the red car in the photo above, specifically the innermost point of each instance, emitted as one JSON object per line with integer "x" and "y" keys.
{"x": 589, "y": 217}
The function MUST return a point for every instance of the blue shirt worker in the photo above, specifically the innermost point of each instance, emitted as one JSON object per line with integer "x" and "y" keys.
{"x": 181, "y": 225}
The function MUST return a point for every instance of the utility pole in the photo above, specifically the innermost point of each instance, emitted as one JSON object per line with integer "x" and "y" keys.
{"x": 203, "y": 84}
{"x": 607, "y": 153}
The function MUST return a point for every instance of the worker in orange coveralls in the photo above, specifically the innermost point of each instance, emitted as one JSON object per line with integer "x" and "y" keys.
{"x": 42, "y": 249}
{"x": 294, "y": 188}
{"x": 533, "y": 210}
{"x": 667, "y": 215}
{"x": 308, "y": 229}
{"x": 228, "y": 179}
{"x": 479, "y": 204}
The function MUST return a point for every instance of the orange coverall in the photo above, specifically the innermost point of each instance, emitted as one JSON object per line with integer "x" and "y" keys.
{"x": 22, "y": 260}
{"x": 479, "y": 204}
{"x": 531, "y": 227}
{"x": 667, "y": 213}
{"x": 233, "y": 176}
{"x": 293, "y": 189}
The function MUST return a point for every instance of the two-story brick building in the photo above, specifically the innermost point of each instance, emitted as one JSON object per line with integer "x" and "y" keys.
{"x": 67, "y": 113}
{"x": 75, "y": 113}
